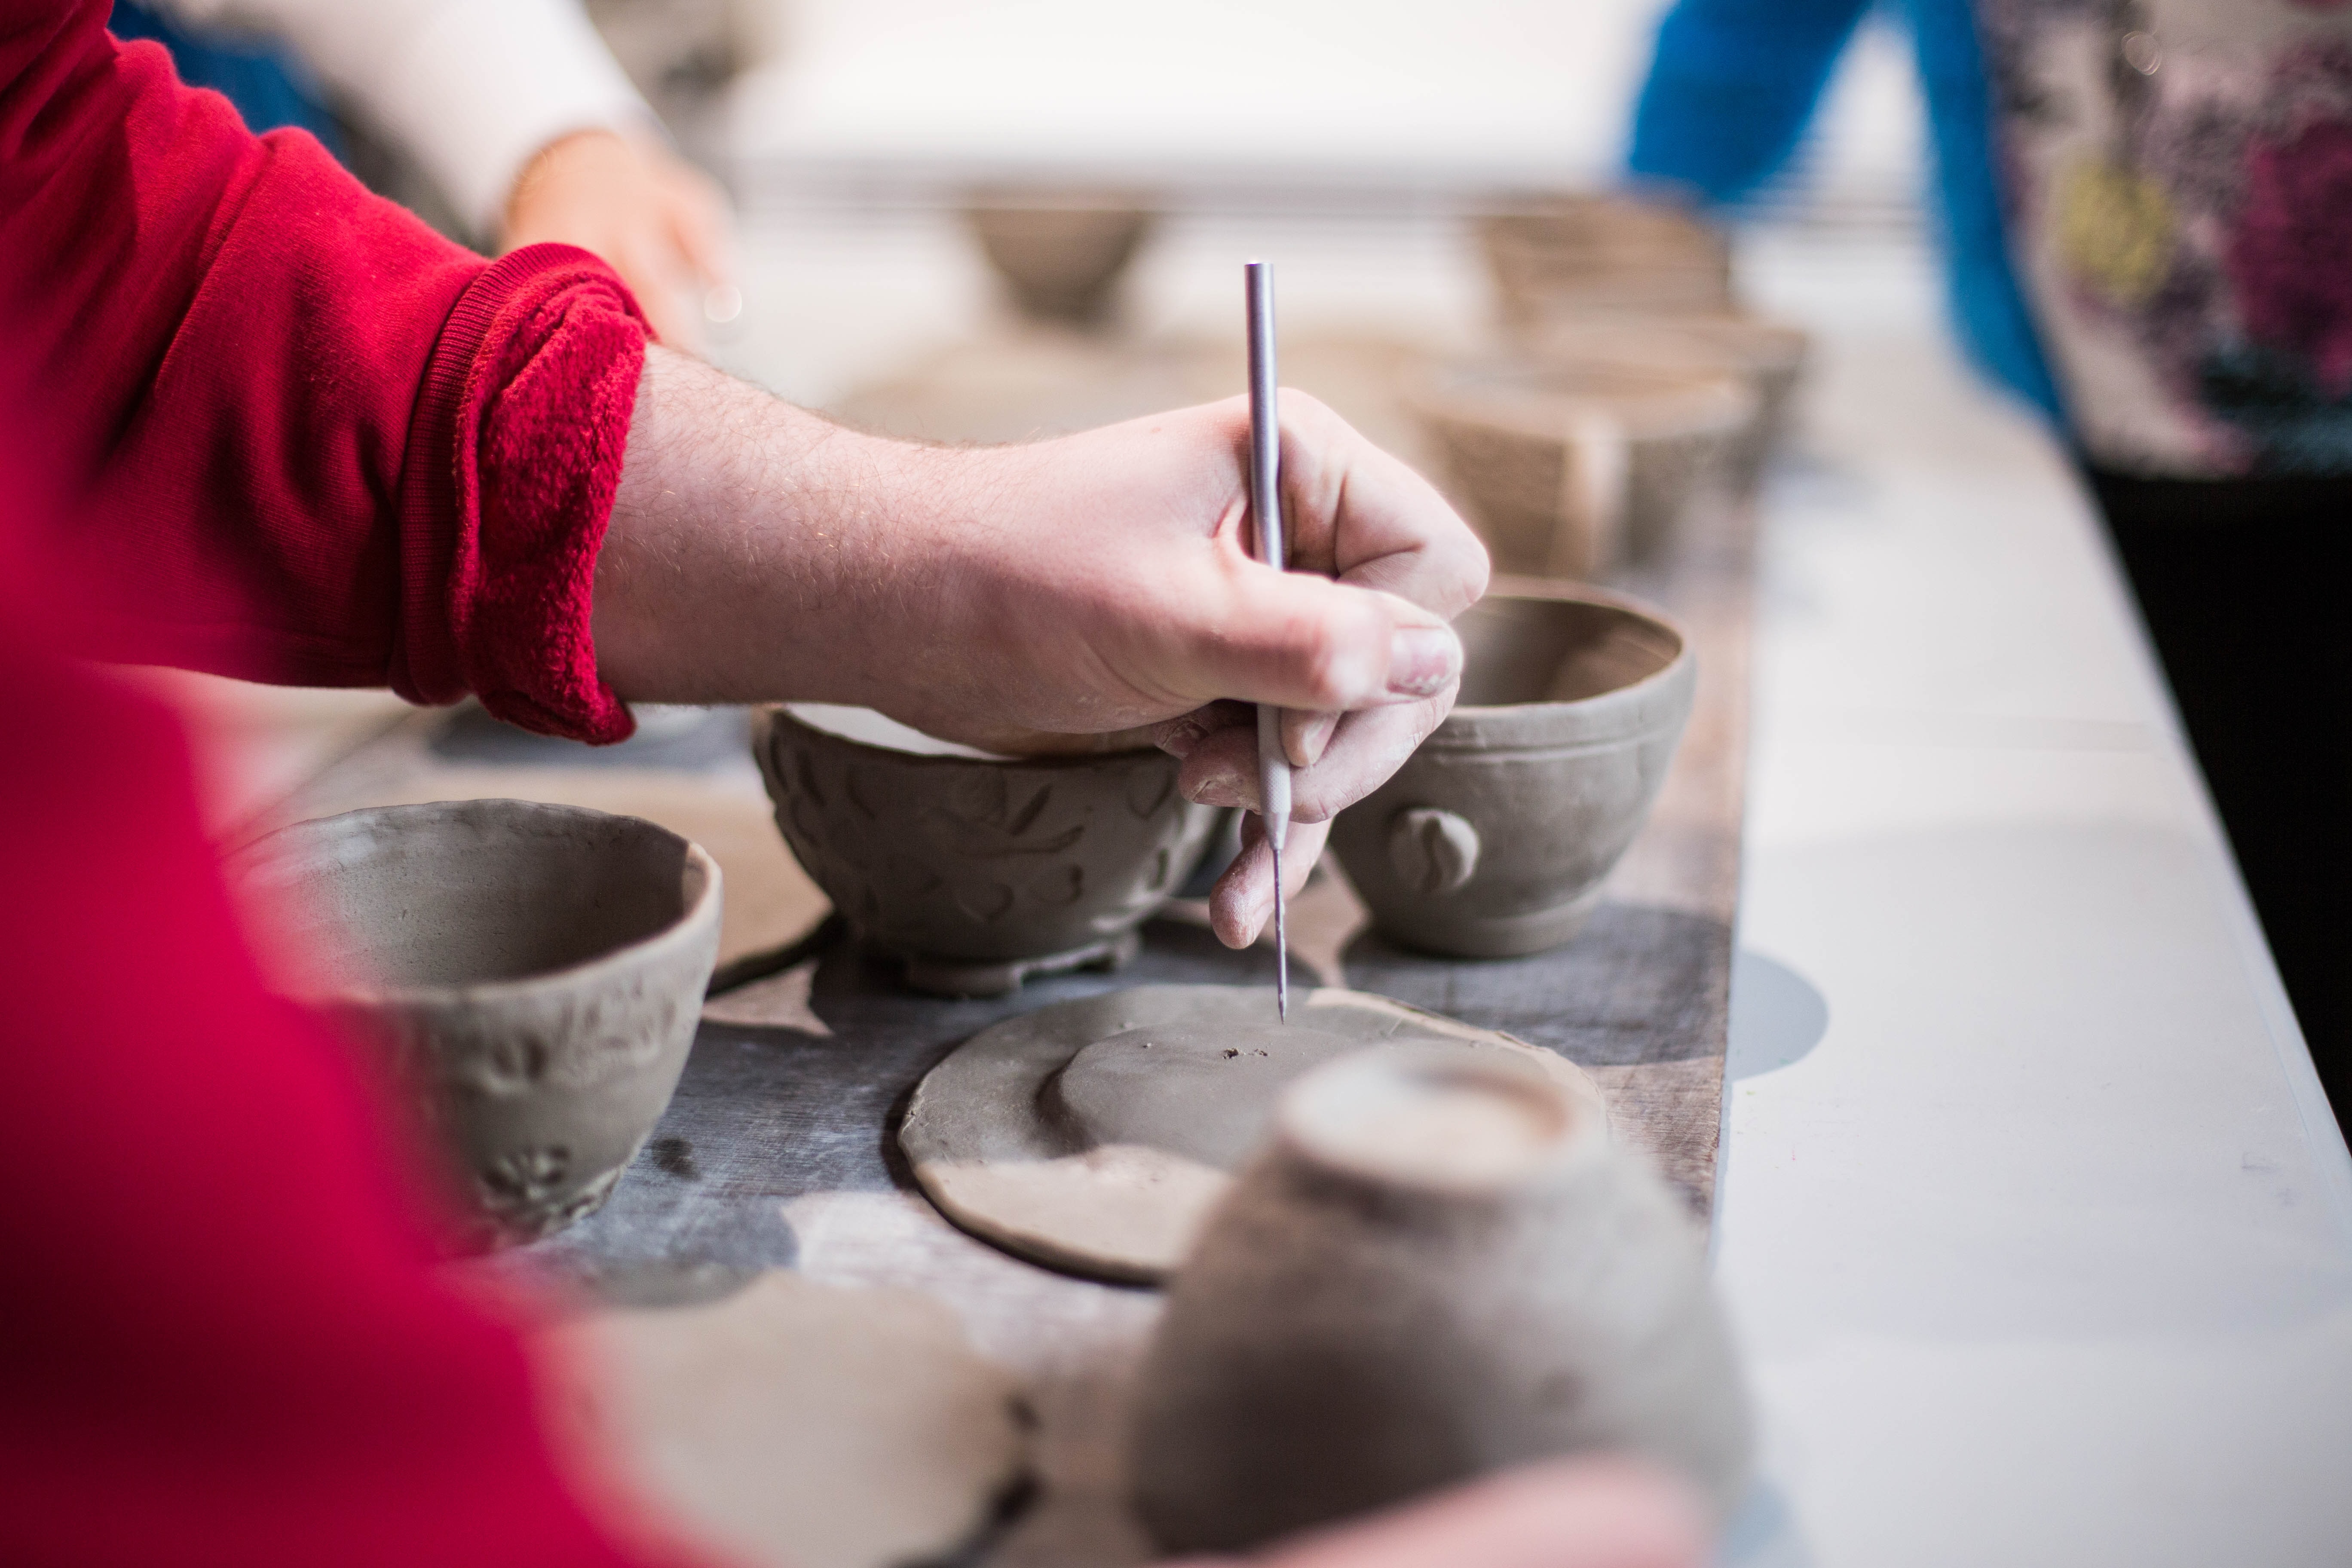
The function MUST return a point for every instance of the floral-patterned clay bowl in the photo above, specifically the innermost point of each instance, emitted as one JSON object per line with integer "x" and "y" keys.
{"x": 531, "y": 975}
{"x": 978, "y": 871}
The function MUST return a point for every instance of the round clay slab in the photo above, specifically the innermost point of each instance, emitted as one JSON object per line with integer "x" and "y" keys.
{"x": 799, "y": 1423}
{"x": 1095, "y": 1135}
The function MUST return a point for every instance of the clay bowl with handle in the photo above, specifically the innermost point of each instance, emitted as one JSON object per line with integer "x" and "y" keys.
{"x": 1495, "y": 838}
{"x": 978, "y": 871}
{"x": 1434, "y": 1267}
{"x": 1769, "y": 356}
{"x": 531, "y": 975}
{"x": 1060, "y": 254}
{"x": 1567, "y": 470}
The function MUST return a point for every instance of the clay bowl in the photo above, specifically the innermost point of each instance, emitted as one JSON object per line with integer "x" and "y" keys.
{"x": 1495, "y": 838}
{"x": 1567, "y": 470}
{"x": 1604, "y": 251}
{"x": 533, "y": 974}
{"x": 1060, "y": 255}
{"x": 978, "y": 871}
{"x": 1769, "y": 356}
{"x": 1434, "y": 1270}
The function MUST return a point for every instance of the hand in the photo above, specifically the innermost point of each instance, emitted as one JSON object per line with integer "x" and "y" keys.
{"x": 1573, "y": 1513}
{"x": 660, "y": 222}
{"x": 1081, "y": 586}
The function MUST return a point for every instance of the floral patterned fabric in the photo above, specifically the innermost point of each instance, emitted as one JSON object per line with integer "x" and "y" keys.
{"x": 2178, "y": 181}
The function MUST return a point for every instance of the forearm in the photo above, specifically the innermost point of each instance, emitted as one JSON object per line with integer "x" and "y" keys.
{"x": 1076, "y": 586}
{"x": 755, "y": 550}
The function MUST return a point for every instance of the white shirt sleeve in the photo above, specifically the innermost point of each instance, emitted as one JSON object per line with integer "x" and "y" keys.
{"x": 471, "y": 89}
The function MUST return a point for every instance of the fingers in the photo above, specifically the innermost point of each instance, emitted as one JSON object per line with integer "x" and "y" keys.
{"x": 1242, "y": 900}
{"x": 1179, "y": 735}
{"x": 1353, "y": 512}
{"x": 673, "y": 326}
{"x": 699, "y": 223}
{"x": 1305, "y": 735}
{"x": 1573, "y": 1513}
{"x": 1301, "y": 641}
{"x": 1218, "y": 747}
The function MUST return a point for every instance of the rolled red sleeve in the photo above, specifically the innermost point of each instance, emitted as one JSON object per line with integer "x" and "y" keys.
{"x": 303, "y": 438}
{"x": 518, "y": 437}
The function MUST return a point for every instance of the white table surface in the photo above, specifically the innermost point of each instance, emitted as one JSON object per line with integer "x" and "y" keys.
{"x": 2034, "y": 1218}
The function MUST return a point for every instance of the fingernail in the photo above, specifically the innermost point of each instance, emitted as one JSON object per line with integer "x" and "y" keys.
{"x": 1177, "y": 737}
{"x": 1313, "y": 737}
{"x": 1221, "y": 788}
{"x": 1422, "y": 661}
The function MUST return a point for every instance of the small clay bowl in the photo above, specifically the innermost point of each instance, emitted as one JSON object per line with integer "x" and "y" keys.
{"x": 1060, "y": 255}
{"x": 1433, "y": 1270}
{"x": 1604, "y": 251}
{"x": 1769, "y": 356}
{"x": 1494, "y": 838}
{"x": 1567, "y": 470}
{"x": 979, "y": 871}
{"x": 533, "y": 974}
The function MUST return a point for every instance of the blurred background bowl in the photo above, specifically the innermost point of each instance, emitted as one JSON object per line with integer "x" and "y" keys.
{"x": 1769, "y": 356}
{"x": 1567, "y": 470}
{"x": 1060, "y": 254}
{"x": 1604, "y": 251}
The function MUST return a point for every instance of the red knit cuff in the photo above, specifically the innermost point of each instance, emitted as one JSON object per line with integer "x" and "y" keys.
{"x": 513, "y": 457}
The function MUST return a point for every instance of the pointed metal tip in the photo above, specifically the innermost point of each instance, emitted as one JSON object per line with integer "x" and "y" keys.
{"x": 1281, "y": 943}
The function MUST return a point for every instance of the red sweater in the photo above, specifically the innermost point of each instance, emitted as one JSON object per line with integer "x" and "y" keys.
{"x": 304, "y": 439}
{"x": 290, "y": 435}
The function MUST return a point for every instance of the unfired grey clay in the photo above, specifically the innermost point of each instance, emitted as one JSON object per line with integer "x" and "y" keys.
{"x": 982, "y": 871}
{"x": 532, "y": 973}
{"x": 804, "y": 1424}
{"x": 1567, "y": 470}
{"x": 1769, "y": 356}
{"x": 1432, "y": 1270}
{"x": 1061, "y": 254}
{"x": 1495, "y": 837}
{"x": 1092, "y": 1135}
{"x": 1605, "y": 252}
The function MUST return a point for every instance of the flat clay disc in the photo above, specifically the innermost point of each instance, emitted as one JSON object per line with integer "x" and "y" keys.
{"x": 1095, "y": 1135}
{"x": 804, "y": 1424}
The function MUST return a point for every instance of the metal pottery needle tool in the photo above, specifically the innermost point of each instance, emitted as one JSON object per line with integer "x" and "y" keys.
{"x": 1265, "y": 515}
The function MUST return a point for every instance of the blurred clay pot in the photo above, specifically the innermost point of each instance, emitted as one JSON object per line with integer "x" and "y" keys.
{"x": 1769, "y": 356}
{"x": 1495, "y": 838}
{"x": 1605, "y": 252}
{"x": 981, "y": 872}
{"x": 1434, "y": 1270}
{"x": 532, "y": 973}
{"x": 1567, "y": 470}
{"x": 1060, "y": 255}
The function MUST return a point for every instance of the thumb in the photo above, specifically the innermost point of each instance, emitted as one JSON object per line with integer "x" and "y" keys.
{"x": 1302, "y": 641}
